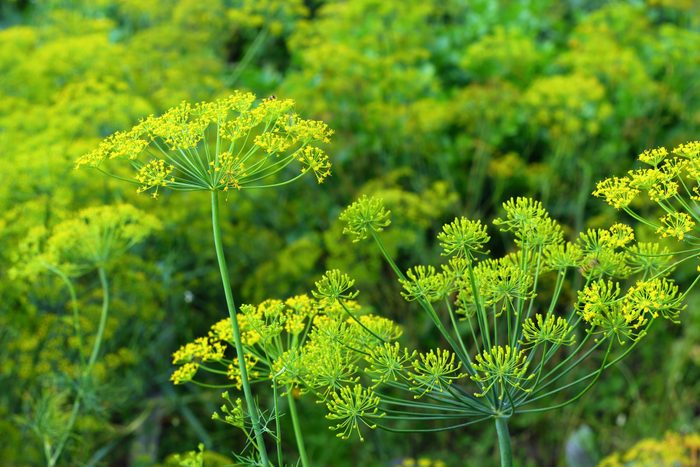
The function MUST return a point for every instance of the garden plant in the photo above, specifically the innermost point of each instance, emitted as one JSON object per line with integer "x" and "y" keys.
{"x": 500, "y": 266}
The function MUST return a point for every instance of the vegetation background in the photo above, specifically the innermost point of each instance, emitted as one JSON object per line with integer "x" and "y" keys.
{"x": 440, "y": 107}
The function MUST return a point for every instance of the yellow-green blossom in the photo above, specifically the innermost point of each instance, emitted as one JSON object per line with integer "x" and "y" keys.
{"x": 351, "y": 407}
{"x": 230, "y": 143}
{"x": 502, "y": 367}
{"x": 675, "y": 224}
{"x": 434, "y": 371}
{"x": 551, "y": 330}
{"x": 364, "y": 217}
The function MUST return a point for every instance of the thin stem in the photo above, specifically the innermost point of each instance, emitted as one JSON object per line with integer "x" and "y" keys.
{"x": 252, "y": 51}
{"x": 278, "y": 428}
{"x": 432, "y": 430}
{"x": 580, "y": 394}
{"x": 504, "y": 441}
{"x": 74, "y": 309}
{"x": 230, "y": 304}
{"x": 103, "y": 321}
{"x": 53, "y": 459}
{"x": 354, "y": 318}
{"x": 297, "y": 429}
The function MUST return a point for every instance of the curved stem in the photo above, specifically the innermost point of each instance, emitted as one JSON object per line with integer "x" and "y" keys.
{"x": 432, "y": 430}
{"x": 580, "y": 394}
{"x": 231, "y": 306}
{"x": 427, "y": 307}
{"x": 504, "y": 442}
{"x": 74, "y": 309}
{"x": 53, "y": 459}
{"x": 297, "y": 429}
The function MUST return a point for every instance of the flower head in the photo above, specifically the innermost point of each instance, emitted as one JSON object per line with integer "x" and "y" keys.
{"x": 335, "y": 285}
{"x": 230, "y": 143}
{"x": 503, "y": 367}
{"x": 93, "y": 238}
{"x": 689, "y": 150}
{"x": 387, "y": 362}
{"x": 423, "y": 283}
{"x": 365, "y": 216}
{"x": 353, "y": 406}
{"x": 653, "y": 157}
{"x": 655, "y": 297}
{"x": 617, "y": 192}
{"x": 600, "y": 306}
{"x": 463, "y": 237}
{"x": 231, "y": 412}
{"x": 539, "y": 330}
{"x": 434, "y": 371}
{"x": 675, "y": 224}
{"x": 530, "y": 223}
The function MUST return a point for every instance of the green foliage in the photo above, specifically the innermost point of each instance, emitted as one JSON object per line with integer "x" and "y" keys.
{"x": 441, "y": 109}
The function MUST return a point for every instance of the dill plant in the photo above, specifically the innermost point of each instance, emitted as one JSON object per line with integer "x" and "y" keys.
{"x": 230, "y": 144}
{"x": 512, "y": 339}
{"x": 669, "y": 180}
{"x": 304, "y": 345}
{"x": 89, "y": 242}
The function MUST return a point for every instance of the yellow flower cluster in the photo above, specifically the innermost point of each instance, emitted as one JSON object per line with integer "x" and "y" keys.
{"x": 201, "y": 350}
{"x": 353, "y": 406}
{"x": 434, "y": 371}
{"x": 607, "y": 312}
{"x": 672, "y": 182}
{"x": 674, "y": 449}
{"x": 93, "y": 238}
{"x": 503, "y": 367}
{"x": 228, "y": 143}
{"x": 552, "y": 330}
{"x": 570, "y": 107}
{"x": 675, "y": 224}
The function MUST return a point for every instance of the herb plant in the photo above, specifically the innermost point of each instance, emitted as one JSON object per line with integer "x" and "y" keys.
{"x": 232, "y": 143}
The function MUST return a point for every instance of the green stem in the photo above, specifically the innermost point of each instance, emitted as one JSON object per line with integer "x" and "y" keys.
{"x": 297, "y": 429}
{"x": 103, "y": 321}
{"x": 75, "y": 311}
{"x": 252, "y": 51}
{"x": 504, "y": 442}
{"x": 278, "y": 429}
{"x": 53, "y": 460}
{"x": 230, "y": 304}
{"x": 354, "y": 318}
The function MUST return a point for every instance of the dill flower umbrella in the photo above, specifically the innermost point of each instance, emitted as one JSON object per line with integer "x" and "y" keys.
{"x": 302, "y": 345}
{"x": 669, "y": 180}
{"x": 230, "y": 144}
{"x": 513, "y": 341}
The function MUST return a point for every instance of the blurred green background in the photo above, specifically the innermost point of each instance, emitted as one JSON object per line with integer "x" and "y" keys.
{"x": 441, "y": 107}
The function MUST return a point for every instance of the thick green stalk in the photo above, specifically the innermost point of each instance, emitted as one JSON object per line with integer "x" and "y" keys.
{"x": 297, "y": 429}
{"x": 504, "y": 442}
{"x": 230, "y": 304}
